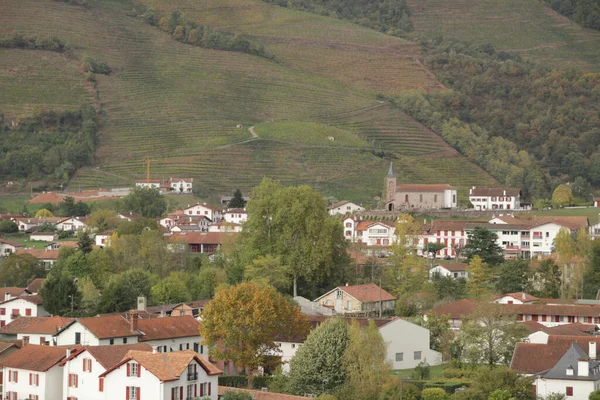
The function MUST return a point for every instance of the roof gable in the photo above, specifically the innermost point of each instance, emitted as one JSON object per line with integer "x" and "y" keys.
{"x": 168, "y": 327}
{"x": 367, "y": 293}
{"x": 35, "y": 357}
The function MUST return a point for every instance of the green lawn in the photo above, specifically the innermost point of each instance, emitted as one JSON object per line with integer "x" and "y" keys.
{"x": 23, "y": 239}
{"x": 309, "y": 133}
{"x": 591, "y": 212}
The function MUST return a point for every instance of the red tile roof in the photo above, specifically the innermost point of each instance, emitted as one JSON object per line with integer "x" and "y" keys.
{"x": 5, "y": 345}
{"x": 11, "y": 243}
{"x": 108, "y": 326}
{"x": 403, "y": 187}
{"x": 168, "y": 327}
{"x": 532, "y": 358}
{"x": 520, "y": 296}
{"x": 200, "y": 237}
{"x": 48, "y": 197}
{"x": 367, "y": 293}
{"x": 35, "y": 285}
{"x": 35, "y": 357}
{"x": 487, "y": 192}
{"x": 457, "y": 309}
{"x": 33, "y": 299}
{"x": 13, "y": 291}
{"x": 166, "y": 366}
{"x": 260, "y": 395}
{"x": 534, "y": 326}
{"x": 109, "y": 356}
{"x": 456, "y": 267}
{"x": 40, "y": 254}
{"x": 47, "y": 326}
{"x": 578, "y": 310}
{"x": 18, "y": 324}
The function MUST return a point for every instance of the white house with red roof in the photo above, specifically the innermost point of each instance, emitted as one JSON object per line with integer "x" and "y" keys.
{"x": 43, "y": 331}
{"x": 495, "y": 198}
{"x": 33, "y": 372}
{"x": 210, "y": 212}
{"x": 235, "y": 215}
{"x": 344, "y": 207}
{"x": 29, "y": 306}
{"x": 160, "y": 376}
{"x": 72, "y": 224}
{"x": 82, "y": 369}
{"x": 200, "y": 242}
{"x": 8, "y": 247}
{"x": 358, "y": 299}
{"x": 181, "y": 185}
{"x": 456, "y": 270}
{"x": 515, "y": 298}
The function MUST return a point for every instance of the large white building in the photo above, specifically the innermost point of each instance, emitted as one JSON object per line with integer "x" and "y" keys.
{"x": 370, "y": 233}
{"x": 495, "y": 198}
{"x": 33, "y": 372}
{"x": 177, "y": 376}
{"x": 408, "y": 344}
{"x": 28, "y": 306}
{"x": 344, "y": 207}
{"x": 210, "y": 212}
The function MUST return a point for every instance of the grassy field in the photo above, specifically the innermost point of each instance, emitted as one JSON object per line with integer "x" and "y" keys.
{"x": 435, "y": 370}
{"x": 180, "y": 105}
{"x": 529, "y": 27}
{"x": 593, "y": 213}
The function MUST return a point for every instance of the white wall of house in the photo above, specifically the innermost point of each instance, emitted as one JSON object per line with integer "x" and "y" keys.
{"x": 341, "y": 301}
{"x": 581, "y": 389}
{"x": 450, "y": 198}
{"x": 378, "y": 235}
{"x": 504, "y": 202}
{"x": 71, "y": 225}
{"x": 449, "y": 239}
{"x": 102, "y": 240}
{"x": 540, "y": 337}
{"x": 199, "y": 209}
{"x": 286, "y": 351}
{"x": 181, "y": 186}
{"x": 49, "y": 388}
{"x": 152, "y": 388}
{"x": 149, "y": 185}
{"x": 43, "y": 237}
{"x": 19, "y": 306}
{"x": 408, "y": 344}
{"x": 594, "y": 231}
{"x": 7, "y": 249}
{"x": 88, "y": 386}
{"x": 236, "y": 217}
{"x": 347, "y": 208}
{"x": 35, "y": 338}
{"x": 440, "y": 270}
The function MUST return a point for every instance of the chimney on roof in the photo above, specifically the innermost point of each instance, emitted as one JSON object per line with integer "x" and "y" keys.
{"x": 523, "y": 296}
{"x": 154, "y": 349}
{"x": 25, "y": 340}
{"x": 133, "y": 321}
{"x": 141, "y": 303}
{"x": 504, "y": 192}
{"x": 68, "y": 352}
{"x": 583, "y": 367}
{"x": 592, "y": 350}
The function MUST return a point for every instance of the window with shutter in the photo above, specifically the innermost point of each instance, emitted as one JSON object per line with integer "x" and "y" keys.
{"x": 209, "y": 388}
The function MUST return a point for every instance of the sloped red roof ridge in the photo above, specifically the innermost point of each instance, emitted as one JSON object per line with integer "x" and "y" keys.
{"x": 456, "y": 267}
{"x": 200, "y": 237}
{"x": 367, "y": 293}
{"x": 166, "y": 366}
{"x": 35, "y": 285}
{"x": 168, "y": 327}
{"x": 17, "y": 325}
{"x": 457, "y": 309}
{"x": 48, "y": 326}
{"x": 518, "y": 295}
{"x": 110, "y": 355}
{"x": 10, "y": 242}
{"x": 408, "y": 187}
{"x": 34, "y": 357}
{"x": 33, "y": 299}
{"x": 108, "y": 326}
{"x": 533, "y": 358}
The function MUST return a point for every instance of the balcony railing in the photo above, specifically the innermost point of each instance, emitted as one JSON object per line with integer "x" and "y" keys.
{"x": 192, "y": 376}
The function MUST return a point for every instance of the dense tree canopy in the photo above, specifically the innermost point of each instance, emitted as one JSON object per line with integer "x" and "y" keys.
{"x": 292, "y": 225}
{"x": 145, "y": 201}
{"x": 483, "y": 243}
{"x": 20, "y": 269}
{"x": 242, "y": 322}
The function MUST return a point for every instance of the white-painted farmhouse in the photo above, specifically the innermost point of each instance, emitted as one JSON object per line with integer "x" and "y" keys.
{"x": 358, "y": 299}
{"x": 179, "y": 375}
{"x": 456, "y": 270}
{"x": 495, "y": 198}
{"x": 344, "y": 207}
{"x": 29, "y": 306}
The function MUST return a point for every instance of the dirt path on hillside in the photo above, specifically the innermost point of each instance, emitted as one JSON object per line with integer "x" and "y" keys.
{"x": 254, "y": 135}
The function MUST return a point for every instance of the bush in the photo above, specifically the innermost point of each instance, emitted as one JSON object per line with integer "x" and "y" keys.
{"x": 34, "y": 43}
{"x": 400, "y": 391}
{"x": 421, "y": 371}
{"x": 236, "y": 395}
{"x": 434, "y": 394}
{"x": 7, "y": 226}
{"x": 89, "y": 64}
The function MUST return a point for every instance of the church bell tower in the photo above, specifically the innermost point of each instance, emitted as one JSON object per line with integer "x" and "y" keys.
{"x": 390, "y": 185}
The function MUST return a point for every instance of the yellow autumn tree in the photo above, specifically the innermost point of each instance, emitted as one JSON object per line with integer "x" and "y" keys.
{"x": 478, "y": 279}
{"x": 241, "y": 323}
{"x": 43, "y": 213}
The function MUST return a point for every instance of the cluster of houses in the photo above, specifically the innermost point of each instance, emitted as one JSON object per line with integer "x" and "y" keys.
{"x": 561, "y": 350}
{"x": 158, "y": 350}
{"x": 172, "y": 185}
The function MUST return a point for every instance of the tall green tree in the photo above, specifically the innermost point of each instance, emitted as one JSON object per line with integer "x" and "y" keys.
{"x": 562, "y": 196}
{"x": 514, "y": 276}
{"x": 171, "y": 290}
{"x": 145, "y": 201}
{"x": 85, "y": 242}
{"x": 477, "y": 285}
{"x": 237, "y": 201}
{"x": 292, "y": 223}
{"x": 60, "y": 295}
{"x": 122, "y": 290}
{"x": 365, "y": 363}
{"x": 318, "y": 366}
{"x": 548, "y": 278}
{"x": 484, "y": 243}
{"x": 490, "y": 335}
{"x": 591, "y": 281}
{"x": 20, "y": 269}
{"x": 439, "y": 331}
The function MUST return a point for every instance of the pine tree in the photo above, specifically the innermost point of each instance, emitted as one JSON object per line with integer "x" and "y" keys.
{"x": 237, "y": 200}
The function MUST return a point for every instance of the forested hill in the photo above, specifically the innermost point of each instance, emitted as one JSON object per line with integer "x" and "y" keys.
{"x": 182, "y": 82}
{"x": 584, "y": 12}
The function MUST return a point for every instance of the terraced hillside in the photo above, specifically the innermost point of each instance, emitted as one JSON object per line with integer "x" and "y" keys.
{"x": 180, "y": 104}
{"x": 527, "y": 27}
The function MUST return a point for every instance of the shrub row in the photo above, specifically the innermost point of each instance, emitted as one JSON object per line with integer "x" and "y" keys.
{"x": 34, "y": 43}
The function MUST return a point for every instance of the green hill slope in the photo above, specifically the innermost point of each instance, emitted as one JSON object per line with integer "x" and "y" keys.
{"x": 180, "y": 104}
{"x": 528, "y": 27}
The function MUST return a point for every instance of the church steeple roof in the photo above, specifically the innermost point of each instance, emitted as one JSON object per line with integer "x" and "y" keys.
{"x": 391, "y": 173}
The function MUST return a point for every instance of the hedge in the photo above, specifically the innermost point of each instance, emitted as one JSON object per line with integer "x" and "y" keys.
{"x": 241, "y": 381}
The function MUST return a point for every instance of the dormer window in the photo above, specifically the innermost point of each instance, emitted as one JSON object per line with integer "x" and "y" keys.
{"x": 570, "y": 370}
{"x": 133, "y": 369}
